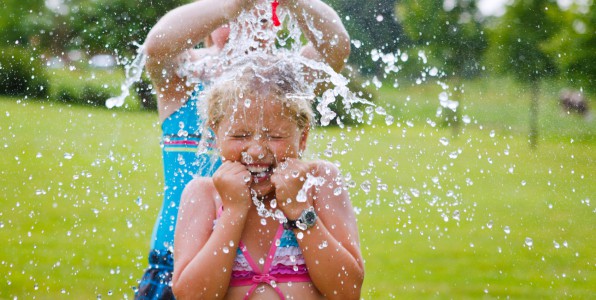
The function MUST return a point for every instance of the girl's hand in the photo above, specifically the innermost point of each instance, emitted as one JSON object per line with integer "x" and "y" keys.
{"x": 231, "y": 183}
{"x": 288, "y": 178}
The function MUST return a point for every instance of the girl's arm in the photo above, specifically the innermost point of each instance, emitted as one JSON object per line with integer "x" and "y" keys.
{"x": 175, "y": 34}
{"x": 184, "y": 27}
{"x": 331, "y": 247}
{"x": 204, "y": 253}
{"x": 329, "y": 40}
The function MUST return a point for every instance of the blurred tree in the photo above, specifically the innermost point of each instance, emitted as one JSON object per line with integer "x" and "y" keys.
{"x": 573, "y": 47}
{"x": 372, "y": 25}
{"x": 451, "y": 33}
{"x": 21, "y": 21}
{"x": 115, "y": 25}
{"x": 517, "y": 48}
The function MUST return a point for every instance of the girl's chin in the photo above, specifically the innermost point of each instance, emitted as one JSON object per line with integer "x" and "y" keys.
{"x": 262, "y": 189}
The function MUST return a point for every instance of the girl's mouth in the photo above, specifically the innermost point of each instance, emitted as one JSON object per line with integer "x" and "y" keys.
{"x": 260, "y": 173}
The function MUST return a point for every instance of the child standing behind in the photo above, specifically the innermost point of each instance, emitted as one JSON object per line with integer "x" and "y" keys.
{"x": 224, "y": 248}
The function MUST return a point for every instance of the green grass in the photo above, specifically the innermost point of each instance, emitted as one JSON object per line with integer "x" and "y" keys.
{"x": 74, "y": 227}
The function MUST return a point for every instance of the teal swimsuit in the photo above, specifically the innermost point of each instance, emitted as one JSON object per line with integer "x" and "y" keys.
{"x": 182, "y": 162}
{"x": 180, "y": 141}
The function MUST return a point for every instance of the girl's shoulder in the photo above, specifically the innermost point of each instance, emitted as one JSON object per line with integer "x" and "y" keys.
{"x": 201, "y": 192}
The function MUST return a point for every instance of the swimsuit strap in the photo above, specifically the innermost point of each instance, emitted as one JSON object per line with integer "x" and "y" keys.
{"x": 260, "y": 277}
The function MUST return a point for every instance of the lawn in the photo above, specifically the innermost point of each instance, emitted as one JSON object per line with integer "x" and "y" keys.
{"x": 473, "y": 215}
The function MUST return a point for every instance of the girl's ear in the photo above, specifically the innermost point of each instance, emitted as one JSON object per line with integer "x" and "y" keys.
{"x": 304, "y": 138}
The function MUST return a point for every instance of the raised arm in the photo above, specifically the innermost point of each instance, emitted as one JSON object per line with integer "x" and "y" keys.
{"x": 329, "y": 40}
{"x": 176, "y": 34}
{"x": 184, "y": 27}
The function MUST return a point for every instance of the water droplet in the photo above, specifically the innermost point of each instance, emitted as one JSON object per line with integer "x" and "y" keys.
{"x": 263, "y": 222}
{"x": 261, "y": 261}
{"x": 444, "y": 141}
{"x": 404, "y": 56}
{"x": 557, "y": 246}
{"x": 68, "y": 155}
{"x": 300, "y": 235}
{"x": 225, "y": 250}
{"x": 389, "y": 120}
{"x": 380, "y": 111}
{"x": 247, "y": 103}
{"x": 337, "y": 191}
{"x": 507, "y": 229}
{"x": 380, "y": 18}
{"x": 433, "y": 71}
{"x": 365, "y": 186}
{"x": 323, "y": 245}
{"x": 489, "y": 224}
{"x": 529, "y": 242}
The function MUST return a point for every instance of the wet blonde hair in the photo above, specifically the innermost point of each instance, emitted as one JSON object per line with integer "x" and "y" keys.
{"x": 261, "y": 78}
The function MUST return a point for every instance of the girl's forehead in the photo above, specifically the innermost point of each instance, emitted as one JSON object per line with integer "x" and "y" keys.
{"x": 256, "y": 105}
{"x": 262, "y": 115}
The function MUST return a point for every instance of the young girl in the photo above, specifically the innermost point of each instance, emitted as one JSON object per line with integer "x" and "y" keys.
{"x": 170, "y": 44}
{"x": 224, "y": 247}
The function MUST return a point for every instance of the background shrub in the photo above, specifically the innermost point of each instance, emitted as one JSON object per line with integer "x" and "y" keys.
{"x": 21, "y": 73}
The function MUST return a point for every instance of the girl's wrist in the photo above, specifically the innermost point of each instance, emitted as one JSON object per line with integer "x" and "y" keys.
{"x": 293, "y": 212}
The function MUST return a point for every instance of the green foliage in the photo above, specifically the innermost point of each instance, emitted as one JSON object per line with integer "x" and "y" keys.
{"x": 113, "y": 25}
{"x": 518, "y": 39}
{"x": 84, "y": 94}
{"x": 21, "y": 73}
{"x": 20, "y": 21}
{"x": 362, "y": 20}
{"x": 573, "y": 47}
{"x": 453, "y": 37}
{"x": 147, "y": 97}
{"x": 80, "y": 86}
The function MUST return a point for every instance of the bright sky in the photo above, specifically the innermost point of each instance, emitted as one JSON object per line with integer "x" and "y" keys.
{"x": 497, "y": 7}
{"x": 492, "y": 7}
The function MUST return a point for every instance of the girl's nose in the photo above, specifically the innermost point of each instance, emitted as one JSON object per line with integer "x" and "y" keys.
{"x": 257, "y": 147}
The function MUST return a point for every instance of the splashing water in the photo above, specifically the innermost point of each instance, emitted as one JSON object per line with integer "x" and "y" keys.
{"x": 251, "y": 39}
{"x": 133, "y": 73}
{"x": 248, "y": 35}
